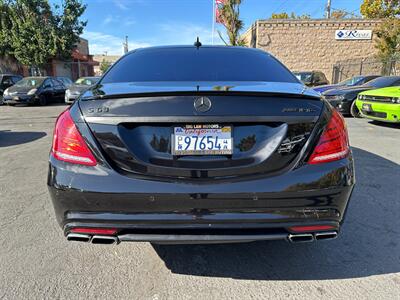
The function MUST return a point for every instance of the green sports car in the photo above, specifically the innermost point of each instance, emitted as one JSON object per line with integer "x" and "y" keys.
{"x": 380, "y": 104}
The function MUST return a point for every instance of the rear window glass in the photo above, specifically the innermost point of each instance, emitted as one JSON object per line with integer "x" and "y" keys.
{"x": 204, "y": 64}
{"x": 382, "y": 81}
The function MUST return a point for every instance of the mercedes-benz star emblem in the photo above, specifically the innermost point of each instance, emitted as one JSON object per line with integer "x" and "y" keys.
{"x": 202, "y": 104}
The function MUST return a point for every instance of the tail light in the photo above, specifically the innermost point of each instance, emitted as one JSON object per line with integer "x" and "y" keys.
{"x": 333, "y": 143}
{"x": 68, "y": 143}
{"x": 300, "y": 229}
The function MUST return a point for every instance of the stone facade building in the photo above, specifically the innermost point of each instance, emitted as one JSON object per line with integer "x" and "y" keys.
{"x": 307, "y": 45}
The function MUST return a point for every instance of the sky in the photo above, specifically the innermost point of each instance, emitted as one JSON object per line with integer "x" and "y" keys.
{"x": 177, "y": 22}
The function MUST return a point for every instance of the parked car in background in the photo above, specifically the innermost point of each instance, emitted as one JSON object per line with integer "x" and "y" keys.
{"x": 381, "y": 104}
{"x": 66, "y": 81}
{"x": 179, "y": 145}
{"x": 7, "y": 80}
{"x": 35, "y": 90}
{"x": 343, "y": 98}
{"x": 356, "y": 80}
{"x": 314, "y": 78}
{"x": 80, "y": 85}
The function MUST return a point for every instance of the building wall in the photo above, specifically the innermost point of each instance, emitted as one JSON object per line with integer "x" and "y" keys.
{"x": 108, "y": 58}
{"x": 306, "y": 45}
{"x": 83, "y": 46}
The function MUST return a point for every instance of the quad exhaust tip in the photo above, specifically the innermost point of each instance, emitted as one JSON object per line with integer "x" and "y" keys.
{"x": 77, "y": 237}
{"x": 96, "y": 239}
{"x": 309, "y": 237}
{"x": 110, "y": 240}
{"x": 104, "y": 240}
{"x": 326, "y": 235}
{"x": 301, "y": 238}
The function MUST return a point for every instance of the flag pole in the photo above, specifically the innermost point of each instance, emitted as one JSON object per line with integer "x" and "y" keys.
{"x": 213, "y": 22}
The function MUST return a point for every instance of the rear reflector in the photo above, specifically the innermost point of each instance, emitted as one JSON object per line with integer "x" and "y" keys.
{"x": 311, "y": 228}
{"x": 106, "y": 231}
{"x": 68, "y": 143}
{"x": 333, "y": 143}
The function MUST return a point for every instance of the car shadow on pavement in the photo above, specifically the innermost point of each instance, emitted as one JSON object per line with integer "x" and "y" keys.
{"x": 367, "y": 245}
{"x": 11, "y": 138}
{"x": 385, "y": 124}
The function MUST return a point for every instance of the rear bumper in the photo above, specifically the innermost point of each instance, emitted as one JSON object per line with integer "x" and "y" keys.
{"x": 21, "y": 100}
{"x": 70, "y": 99}
{"x": 168, "y": 211}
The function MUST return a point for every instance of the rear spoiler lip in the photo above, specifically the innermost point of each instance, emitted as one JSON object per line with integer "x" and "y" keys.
{"x": 201, "y": 119}
{"x": 201, "y": 93}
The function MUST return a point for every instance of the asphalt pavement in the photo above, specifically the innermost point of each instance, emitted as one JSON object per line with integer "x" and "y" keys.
{"x": 36, "y": 261}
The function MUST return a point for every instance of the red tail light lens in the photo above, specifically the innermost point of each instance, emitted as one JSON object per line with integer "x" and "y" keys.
{"x": 68, "y": 144}
{"x": 334, "y": 142}
{"x": 311, "y": 228}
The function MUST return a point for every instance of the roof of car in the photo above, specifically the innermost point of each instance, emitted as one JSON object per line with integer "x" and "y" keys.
{"x": 201, "y": 47}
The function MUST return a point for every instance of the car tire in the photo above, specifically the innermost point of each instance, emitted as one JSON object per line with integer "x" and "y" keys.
{"x": 42, "y": 100}
{"x": 355, "y": 112}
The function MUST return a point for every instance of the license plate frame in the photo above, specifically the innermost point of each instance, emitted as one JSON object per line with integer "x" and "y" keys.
{"x": 209, "y": 137}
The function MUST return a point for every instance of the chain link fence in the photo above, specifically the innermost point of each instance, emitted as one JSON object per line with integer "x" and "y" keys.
{"x": 369, "y": 66}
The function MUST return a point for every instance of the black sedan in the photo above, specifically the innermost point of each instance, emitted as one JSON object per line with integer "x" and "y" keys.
{"x": 80, "y": 85}
{"x": 7, "y": 80}
{"x": 353, "y": 81}
{"x": 35, "y": 90}
{"x": 343, "y": 99}
{"x": 199, "y": 145}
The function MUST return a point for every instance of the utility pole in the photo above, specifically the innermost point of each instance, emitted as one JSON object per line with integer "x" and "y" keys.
{"x": 126, "y": 49}
{"x": 328, "y": 10}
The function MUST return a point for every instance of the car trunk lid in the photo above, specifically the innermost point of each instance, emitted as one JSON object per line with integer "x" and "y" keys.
{"x": 134, "y": 126}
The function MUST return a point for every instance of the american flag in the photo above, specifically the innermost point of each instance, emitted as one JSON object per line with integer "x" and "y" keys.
{"x": 218, "y": 4}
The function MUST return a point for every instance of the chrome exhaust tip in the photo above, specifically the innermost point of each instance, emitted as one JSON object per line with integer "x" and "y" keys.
{"x": 326, "y": 235}
{"x": 104, "y": 240}
{"x": 301, "y": 238}
{"x": 77, "y": 237}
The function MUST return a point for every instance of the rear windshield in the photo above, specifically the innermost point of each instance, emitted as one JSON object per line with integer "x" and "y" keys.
{"x": 303, "y": 76}
{"x": 30, "y": 82}
{"x": 87, "y": 81}
{"x": 204, "y": 64}
{"x": 382, "y": 82}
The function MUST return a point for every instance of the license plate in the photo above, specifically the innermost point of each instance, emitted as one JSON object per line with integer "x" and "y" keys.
{"x": 202, "y": 140}
{"x": 15, "y": 98}
{"x": 366, "y": 107}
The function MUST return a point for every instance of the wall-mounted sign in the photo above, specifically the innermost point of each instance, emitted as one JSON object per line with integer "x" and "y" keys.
{"x": 353, "y": 34}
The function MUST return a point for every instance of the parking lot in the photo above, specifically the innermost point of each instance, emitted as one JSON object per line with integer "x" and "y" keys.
{"x": 36, "y": 261}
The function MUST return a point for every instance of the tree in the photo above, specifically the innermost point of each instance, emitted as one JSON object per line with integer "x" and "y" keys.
{"x": 34, "y": 33}
{"x": 229, "y": 18}
{"x": 5, "y": 23}
{"x": 104, "y": 65}
{"x": 388, "y": 39}
{"x": 342, "y": 14}
{"x": 284, "y": 15}
{"x": 69, "y": 26}
{"x": 388, "y": 32}
{"x": 379, "y": 9}
{"x": 281, "y": 15}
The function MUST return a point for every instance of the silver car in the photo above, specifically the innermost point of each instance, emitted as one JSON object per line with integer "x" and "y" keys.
{"x": 79, "y": 86}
